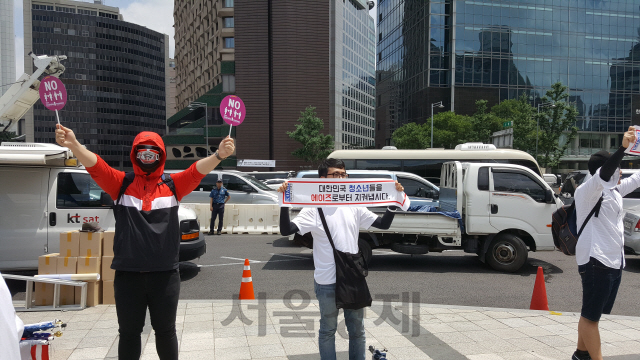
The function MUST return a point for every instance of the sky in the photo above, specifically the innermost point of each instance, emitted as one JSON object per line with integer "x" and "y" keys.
{"x": 154, "y": 14}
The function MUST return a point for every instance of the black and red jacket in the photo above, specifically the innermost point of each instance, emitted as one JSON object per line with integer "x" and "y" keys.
{"x": 147, "y": 234}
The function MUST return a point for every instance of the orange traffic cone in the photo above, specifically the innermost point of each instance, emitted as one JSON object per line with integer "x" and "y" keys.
{"x": 246, "y": 287}
{"x": 539, "y": 297}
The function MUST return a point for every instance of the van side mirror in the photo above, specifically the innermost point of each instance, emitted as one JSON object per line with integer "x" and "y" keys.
{"x": 548, "y": 196}
{"x": 105, "y": 199}
{"x": 247, "y": 188}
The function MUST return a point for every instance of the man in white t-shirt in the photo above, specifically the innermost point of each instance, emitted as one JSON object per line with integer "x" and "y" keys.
{"x": 344, "y": 223}
{"x": 600, "y": 249}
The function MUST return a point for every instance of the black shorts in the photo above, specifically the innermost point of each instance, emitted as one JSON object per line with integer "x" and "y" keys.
{"x": 600, "y": 285}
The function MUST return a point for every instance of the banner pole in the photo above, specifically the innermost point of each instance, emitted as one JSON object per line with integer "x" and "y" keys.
{"x": 230, "y": 126}
{"x": 57, "y": 117}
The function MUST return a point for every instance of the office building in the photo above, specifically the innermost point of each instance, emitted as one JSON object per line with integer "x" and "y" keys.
{"x": 7, "y": 46}
{"x": 115, "y": 75}
{"x": 460, "y": 51}
{"x": 285, "y": 57}
{"x": 171, "y": 88}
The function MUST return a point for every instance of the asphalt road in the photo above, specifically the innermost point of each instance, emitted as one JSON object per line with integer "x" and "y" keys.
{"x": 453, "y": 277}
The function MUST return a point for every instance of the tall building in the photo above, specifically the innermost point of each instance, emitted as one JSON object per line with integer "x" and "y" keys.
{"x": 7, "y": 46}
{"x": 284, "y": 57}
{"x": 115, "y": 75}
{"x": 460, "y": 51}
{"x": 171, "y": 87}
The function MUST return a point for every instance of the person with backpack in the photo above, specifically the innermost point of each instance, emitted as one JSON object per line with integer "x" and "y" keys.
{"x": 147, "y": 235}
{"x": 600, "y": 247}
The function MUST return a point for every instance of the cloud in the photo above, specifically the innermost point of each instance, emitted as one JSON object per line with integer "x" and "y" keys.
{"x": 154, "y": 14}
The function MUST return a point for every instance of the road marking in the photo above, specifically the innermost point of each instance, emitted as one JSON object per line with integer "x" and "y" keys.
{"x": 291, "y": 256}
{"x": 296, "y": 258}
{"x": 232, "y": 258}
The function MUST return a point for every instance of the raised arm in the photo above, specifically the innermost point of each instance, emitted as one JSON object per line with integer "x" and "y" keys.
{"x": 611, "y": 165}
{"x": 384, "y": 222}
{"x": 225, "y": 149}
{"x": 65, "y": 137}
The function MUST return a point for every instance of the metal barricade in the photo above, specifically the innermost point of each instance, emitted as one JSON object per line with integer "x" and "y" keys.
{"x": 28, "y": 305}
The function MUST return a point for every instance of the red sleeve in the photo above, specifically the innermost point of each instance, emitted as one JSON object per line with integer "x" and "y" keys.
{"x": 186, "y": 181}
{"x": 108, "y": 178}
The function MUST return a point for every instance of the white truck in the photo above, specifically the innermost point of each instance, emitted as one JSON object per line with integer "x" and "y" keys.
{"x": 45, "y": 191}
{"x": 505, "y": 211}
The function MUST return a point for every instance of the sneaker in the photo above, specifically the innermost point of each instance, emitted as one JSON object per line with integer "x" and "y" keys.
{"x": 219, "y": 232}
{"x": 210, "y": 233}
{"x": 577, "y": 356}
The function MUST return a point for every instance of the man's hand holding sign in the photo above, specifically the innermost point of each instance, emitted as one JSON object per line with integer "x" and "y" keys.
{"x": 334, "y": 212}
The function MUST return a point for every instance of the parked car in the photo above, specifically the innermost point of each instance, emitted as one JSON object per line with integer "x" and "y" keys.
{"x": 243, "y": 188}
{"x": 267, "y": 175}
{"x": 420, "y": 191}
{"x": 274, "y": 183}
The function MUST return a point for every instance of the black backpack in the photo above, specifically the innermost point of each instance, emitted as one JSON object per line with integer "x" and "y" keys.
{"x": 129, "y": 176}
{"x": 564, "y": 226}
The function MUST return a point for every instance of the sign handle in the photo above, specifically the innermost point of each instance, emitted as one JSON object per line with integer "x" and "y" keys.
{"x": 230, "y": 126}
{"x": 58, "y": 117}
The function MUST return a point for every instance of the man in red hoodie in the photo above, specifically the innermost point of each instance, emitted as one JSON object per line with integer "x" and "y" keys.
{"x": 147, "y": 235}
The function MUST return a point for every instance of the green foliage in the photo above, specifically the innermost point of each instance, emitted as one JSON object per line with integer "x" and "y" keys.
{"x": 522, "y": 116}
{"x": 7, "y": 136}
{"x": 483, "y": 124}
{"x": 449, "y": 130}
{"x": 315, "y": 145}
{"x": 554, "y": 122}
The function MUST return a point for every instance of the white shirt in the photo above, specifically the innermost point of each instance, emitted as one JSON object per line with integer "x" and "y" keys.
{"x": 344, "y": 224}
{"x": 603, "y": 236}
{"x": 11, "y": 327}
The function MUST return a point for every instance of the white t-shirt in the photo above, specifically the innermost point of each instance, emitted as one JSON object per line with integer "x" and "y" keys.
{"x": 344, "y": 224}
{"x": 11, "y": 327}
{"x": 603, "y": 236}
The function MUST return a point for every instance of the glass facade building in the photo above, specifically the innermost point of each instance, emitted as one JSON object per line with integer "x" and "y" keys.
{"x": 459, "y": 51}
{"x": 354, "y": 75}
{"x": 115, "y": 75}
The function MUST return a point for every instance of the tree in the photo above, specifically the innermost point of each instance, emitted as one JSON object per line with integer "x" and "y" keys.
{"x": 522, "y": 116}
{"x": 449, "y": 130}
{"x": 315, "y": 145}
{"x": 483, "y": 123}
{"x": 554, "y": 123}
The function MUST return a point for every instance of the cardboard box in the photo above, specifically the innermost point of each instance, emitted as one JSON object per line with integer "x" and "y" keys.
{"x": 91, "y": 244}
{"x": 107, "y": 292}
{"x": 107, "y": 243}
{"x": 44, "y": 292}
{"x": 89, "y": 265}
{"x": 67, "y": 265}
{"x": 70, "y": 244}
{"x": 94, "y": 293}
{"x": 107, "y": 272}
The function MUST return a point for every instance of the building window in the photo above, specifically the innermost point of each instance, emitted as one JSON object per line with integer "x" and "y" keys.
{"x": 228, "y": 3}
{"x": 228, "y": 83}
{"x": 85, "y": 33}
{"x": 229, "y": 43}
{"x": 71, "y": 32}
{"x": 57, "y": 30}
{"x": 228, "y": 22}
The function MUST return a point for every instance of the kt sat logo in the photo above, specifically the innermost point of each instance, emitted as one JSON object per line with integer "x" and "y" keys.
{"x": 77, "y": 219}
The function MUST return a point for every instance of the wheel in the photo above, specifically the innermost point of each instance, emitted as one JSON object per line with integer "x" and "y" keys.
{"x": 367, "y": 253}
{"x": 507, "y": 253}
{"x": 410, "y": 248}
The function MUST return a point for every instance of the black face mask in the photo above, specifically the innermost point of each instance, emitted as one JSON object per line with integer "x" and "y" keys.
{"x": 148, "y": 157}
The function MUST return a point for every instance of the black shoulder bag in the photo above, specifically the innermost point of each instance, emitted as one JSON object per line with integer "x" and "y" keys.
{"x": 352, "y": 291}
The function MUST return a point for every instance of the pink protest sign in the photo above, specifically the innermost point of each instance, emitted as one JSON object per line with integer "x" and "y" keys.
{"x": 52, "y": 93}
{"x": 232, "y": 110}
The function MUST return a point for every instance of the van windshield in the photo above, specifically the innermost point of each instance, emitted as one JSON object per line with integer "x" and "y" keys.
{"x": 253, "y": 181}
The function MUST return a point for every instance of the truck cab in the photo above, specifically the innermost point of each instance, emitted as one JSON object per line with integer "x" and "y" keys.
{"x": 44, "y": 191}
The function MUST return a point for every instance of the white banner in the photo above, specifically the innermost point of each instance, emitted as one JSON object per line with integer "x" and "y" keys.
{"x": 342, "y": 192}
{"x": 257, "y": 163}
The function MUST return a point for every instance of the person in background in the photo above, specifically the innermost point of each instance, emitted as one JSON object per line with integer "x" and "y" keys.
{"x": 218, "y": 197}
{"x": 344, "y": 223}
{"x": 147, "y": 235}
{"x": 600, "y": 250}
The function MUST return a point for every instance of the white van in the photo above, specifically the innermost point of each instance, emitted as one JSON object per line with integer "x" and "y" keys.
{"x": 44, "y": 191}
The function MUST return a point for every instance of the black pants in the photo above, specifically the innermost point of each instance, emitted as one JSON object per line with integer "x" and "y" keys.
{"x": 134, "y": 292}
{"x": 218, "y": 209}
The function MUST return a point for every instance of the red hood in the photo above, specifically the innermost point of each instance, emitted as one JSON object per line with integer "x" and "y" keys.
{"x": 148, "y": 138}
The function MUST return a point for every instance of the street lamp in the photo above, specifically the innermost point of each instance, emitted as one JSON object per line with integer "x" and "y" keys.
{"x": 547, "y": 104}
{"x": 438, "y": 104}
{"x": 195, "y": 105}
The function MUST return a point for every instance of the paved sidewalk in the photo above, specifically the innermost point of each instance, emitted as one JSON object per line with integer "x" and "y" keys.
{"x": 279, "y": 330}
